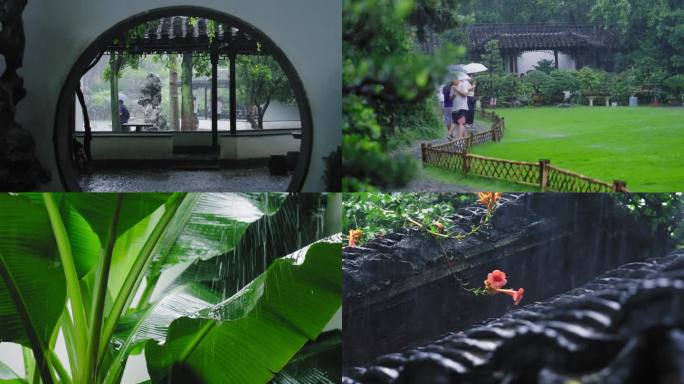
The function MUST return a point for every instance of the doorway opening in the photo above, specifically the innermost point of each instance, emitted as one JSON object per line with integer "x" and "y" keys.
{"x": 183, "y": 98}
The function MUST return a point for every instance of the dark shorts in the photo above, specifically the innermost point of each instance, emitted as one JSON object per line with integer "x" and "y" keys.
{"x": 459, "y": 114}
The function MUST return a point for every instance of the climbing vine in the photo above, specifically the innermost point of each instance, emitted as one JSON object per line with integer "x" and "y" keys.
{"x": 371, "y": 214}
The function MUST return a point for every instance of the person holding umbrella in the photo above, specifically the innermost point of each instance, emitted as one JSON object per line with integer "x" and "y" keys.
{"x": 448, "y": 104}
{"x": 472, "y": 100}
{"x": 460, "y": 94}
{"x": 463, "y": 71}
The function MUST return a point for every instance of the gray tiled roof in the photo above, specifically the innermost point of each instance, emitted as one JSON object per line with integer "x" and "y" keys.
{"x": 179, "y": 34}
{"x": 539, "y": 36}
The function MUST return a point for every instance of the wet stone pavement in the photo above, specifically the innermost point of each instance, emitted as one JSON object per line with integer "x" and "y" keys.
{"x": 626, "y": 326}
{"x": 255, "y": 179}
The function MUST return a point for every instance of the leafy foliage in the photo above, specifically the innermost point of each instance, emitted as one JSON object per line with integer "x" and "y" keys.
{"x": 239, "y": 337}
{"x": 262, "y": 81}
{"x": 492, "y": 58}
{"x": 380, "y": 213}
{"x": 651, "y": 35}
{"x": 545, "y": 66}
{"x": 663, "y": 211}
{"x": 73, "y": 263}
{"x": 384, "y": 75}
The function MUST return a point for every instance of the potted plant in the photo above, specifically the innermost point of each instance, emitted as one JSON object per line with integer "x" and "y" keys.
{"x": 538, "y": 81}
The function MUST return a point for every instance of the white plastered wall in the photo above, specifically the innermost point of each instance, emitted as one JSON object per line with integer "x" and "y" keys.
{"x": 528, "y": 60}
{"x": 307, "y": 31}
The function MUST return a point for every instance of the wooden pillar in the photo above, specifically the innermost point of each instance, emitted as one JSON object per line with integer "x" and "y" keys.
{"x": 422, "y": 152}
{"x": 555, "y": 55}
{"x": 206, "y": 103}
{"x": 214, "y": 98}
{"x": 544, "y": 173}
{"x": 515, "y": 63}
{"x": 233, "y": 93}
{"x": 619, "y": 186}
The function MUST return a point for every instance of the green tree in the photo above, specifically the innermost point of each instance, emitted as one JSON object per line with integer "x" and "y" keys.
{"x": 591, "y": 80}
{"x": 262, "y": 81}
{"x": 492, "y": 58}
{"x": 118, "y": 62}
{"x": 545, "y": 66}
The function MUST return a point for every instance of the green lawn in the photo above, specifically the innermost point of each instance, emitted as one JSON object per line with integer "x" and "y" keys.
{"x": 643, "y": 146}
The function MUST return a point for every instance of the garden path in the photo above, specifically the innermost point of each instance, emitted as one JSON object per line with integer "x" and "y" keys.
{"x": 425, "y": 183}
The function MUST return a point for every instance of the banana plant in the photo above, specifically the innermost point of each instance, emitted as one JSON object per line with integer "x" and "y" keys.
{"x": 216, "y": 288}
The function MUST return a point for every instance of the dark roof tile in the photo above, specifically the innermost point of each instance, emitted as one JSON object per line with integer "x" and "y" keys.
{"x": 539, "y": 36}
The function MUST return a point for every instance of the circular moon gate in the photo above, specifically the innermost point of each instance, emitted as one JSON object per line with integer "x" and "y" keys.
{"x": 62, "y": 132}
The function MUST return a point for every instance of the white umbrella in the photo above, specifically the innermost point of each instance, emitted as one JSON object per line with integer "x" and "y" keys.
{"x": 122, "y": 97}
{"x": 456, "y": 68}
{"x": 464, "y": 76}
{"x": 474, "y": 68}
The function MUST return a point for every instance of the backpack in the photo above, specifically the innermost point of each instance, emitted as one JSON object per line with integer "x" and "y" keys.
{"x": 446, "y": 91}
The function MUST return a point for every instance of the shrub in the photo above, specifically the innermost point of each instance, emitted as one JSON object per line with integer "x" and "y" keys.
{"x": 675, "y": 85}
{"x": 506, "y": 85}
{"x": 565, "y": 81}
{"x": 546, "y": 66}
{"x": 540, "y": 83}
{"x": 486, "y": 86}
{"x": 621, "y": 86}
{"x": 591, "y": 80}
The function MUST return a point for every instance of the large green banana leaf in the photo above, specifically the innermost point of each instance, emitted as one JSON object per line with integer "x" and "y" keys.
{"x": 220, "y": 277}
{"x": 32, "y": 286}
{"x": 210, "y": 224}
{"x": 98, "y": 209}
{"x": 298, "y": 222}
{"x": 256, "y": 227}
{"x": 318, "y": 362}
{"x": 252, "y": 335}
{"x": 128, "y": 247}
{"x": 84, "y": 242}
{"x": 205, "y": 224}
{"x": 87, "y": 217}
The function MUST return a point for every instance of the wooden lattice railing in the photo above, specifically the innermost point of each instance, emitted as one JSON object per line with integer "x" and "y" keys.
{"x": 463, "y": 145}
{"x": 520, "y": 172}
{"x": 558, "y": 179}
{"x": 454, "y": 156}
{"x": 460, "y": 145}
{"x": 541, "y": 174}
{"x": 483, "y": 137}
{"x": 443, "y": 158}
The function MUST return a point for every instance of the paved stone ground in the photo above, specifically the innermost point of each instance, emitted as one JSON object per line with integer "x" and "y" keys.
{"x": 169, "y": 180}
{"x": 424, "y": 183}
